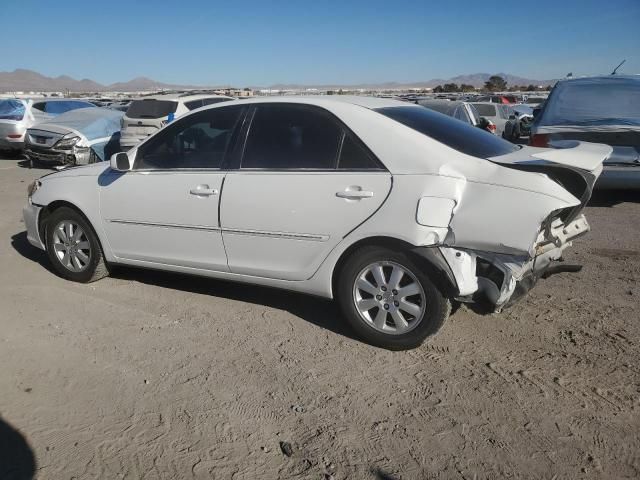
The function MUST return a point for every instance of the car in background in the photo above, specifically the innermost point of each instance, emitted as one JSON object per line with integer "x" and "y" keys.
{"x": 503, "y": 99}
{"x": 463, "y": 111}
{"x": 78, "y": 137}
{"x": 603, "y": 109}
{"x": 497, "y": 113}
{"x": 16, "y": 115}
{"x": 146, "y": 116}
{"x": 519, "y": 123}
{"x": 535, "y": 101}
{"x": 392, "y": 209}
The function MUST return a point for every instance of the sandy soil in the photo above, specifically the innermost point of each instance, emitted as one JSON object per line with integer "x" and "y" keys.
{"x": 152, "y": 375}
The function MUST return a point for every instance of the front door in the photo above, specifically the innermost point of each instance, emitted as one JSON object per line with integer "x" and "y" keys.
{"x": 304, "y": 182}
{"x": 165, "y": 210}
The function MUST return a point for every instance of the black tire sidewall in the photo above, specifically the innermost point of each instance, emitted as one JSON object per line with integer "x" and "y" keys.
{"x": 58, "y": 216}
{"x": 435, "y": 315}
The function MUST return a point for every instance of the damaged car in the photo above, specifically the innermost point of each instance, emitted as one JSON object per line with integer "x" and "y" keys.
{"x": 16, "y": 115}
{"x": 78, "y": 137}
{"x": 393, "y": 210}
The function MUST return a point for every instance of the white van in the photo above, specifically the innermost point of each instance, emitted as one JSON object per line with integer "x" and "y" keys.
{"x": 147, "y": 115}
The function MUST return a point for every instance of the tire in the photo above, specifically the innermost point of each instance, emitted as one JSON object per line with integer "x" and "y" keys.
{"x": 409, "y": 319}
{"x": 77, "y": 257}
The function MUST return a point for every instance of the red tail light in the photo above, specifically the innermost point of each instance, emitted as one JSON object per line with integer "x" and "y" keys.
{"x": 539, "y": 140}
{"x": 492, "y": 128}
{"x": 14, "y": 135}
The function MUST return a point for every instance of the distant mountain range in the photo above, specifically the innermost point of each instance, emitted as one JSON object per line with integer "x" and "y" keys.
{"x": 475, "y": 79}
{"x": 27, "y": 81}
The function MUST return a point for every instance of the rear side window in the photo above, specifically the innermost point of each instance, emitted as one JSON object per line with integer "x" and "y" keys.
{"x": 40, "y": 106}
{"x": 211, "y": 101}
{"x": 292, "y": 137}
{"x": 11, "y": 110}
{"x": 485, "y": 110}
{"x": 63, "y": 106}
{"x": 151, "y": 108}
{"x": 193, "y": 104}
{"x": 457, "y": 135}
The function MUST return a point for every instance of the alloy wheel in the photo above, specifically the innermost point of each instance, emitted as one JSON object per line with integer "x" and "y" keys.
{"x": 71, "y": 246}
{"x": 389, "y": 297}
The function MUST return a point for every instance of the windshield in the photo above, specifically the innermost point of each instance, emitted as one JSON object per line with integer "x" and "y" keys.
{"x": 594, "y": 101}
{"x": 11, "y": 110}
{"x": 453, "y": 133}
{"x": 151, "y": 108}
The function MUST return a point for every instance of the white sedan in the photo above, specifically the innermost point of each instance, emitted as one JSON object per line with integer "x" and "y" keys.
{"x": 390, "y": 208}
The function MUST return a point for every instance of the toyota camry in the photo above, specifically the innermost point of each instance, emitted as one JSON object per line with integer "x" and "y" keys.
{"x": 393, "y": 210}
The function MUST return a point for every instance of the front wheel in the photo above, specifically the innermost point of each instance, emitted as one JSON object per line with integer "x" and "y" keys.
{"x": 389, "y": 300}
{"x": 73, "y": 247}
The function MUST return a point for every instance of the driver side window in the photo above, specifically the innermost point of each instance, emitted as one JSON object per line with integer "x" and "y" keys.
{"x": 198, "y": 141}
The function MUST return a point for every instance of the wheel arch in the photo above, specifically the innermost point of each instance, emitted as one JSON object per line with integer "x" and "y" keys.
{"x": 428, "y": 258}
{"x": 46, "y": 212}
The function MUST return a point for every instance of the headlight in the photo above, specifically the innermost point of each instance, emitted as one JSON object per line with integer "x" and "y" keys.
{"x": 33, "y": 187}
{"x": 66, "y": 143}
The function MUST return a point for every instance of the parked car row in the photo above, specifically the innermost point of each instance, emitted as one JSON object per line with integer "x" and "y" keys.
{"x": 55, "y": 132}
{"x": 390, "y": 208}
{"x": 17, "y": 115}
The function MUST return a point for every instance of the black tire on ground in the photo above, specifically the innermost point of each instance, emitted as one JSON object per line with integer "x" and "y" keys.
{"x": 434, "y": 314}
{"x": 96, "y": 267}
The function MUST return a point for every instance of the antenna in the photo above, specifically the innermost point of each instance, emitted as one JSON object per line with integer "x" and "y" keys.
{"x": 616, "y": 69}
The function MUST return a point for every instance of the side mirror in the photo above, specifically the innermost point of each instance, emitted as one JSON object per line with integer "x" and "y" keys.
{"x": 120, "y": 162}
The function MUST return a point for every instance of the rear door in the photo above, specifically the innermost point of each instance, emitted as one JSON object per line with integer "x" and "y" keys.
{"x": 304, "y": 182}
{"x": 165, "y": 210}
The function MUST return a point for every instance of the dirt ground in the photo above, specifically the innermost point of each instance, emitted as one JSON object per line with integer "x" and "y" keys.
{"x": 153, "y": 375}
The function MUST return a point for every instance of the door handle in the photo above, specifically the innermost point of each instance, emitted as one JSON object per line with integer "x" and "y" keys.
{"x": 203, "y": 191}
{"x": 354, "y": 194}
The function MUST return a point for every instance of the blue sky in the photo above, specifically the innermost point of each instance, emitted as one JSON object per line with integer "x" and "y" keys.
{"x": 207, "y": 42}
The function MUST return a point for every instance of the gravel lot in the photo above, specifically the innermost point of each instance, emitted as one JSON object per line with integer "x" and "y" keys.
{"x": 154, "y": 375}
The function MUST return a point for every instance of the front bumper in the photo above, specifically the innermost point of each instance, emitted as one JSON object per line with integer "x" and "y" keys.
{"x": 51, "y": 156}
{"x": 31, "y": 215}
{"x": 500, "y": 279}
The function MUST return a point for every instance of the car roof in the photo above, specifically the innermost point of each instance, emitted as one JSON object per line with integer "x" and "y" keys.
{"x": 578, "y": 80}
{"x": 324, "y": 101}
{"x": 185, "y": 97}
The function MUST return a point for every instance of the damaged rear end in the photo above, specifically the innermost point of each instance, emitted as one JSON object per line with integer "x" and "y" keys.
{"x": 511, "y": 228}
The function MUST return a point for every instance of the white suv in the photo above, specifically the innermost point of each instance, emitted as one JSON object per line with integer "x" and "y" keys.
{"x": 147, "y": 115}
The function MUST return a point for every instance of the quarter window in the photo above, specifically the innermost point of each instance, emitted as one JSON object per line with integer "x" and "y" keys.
{"x": 354, "y": 156}
{"x": 196, "y": 141}
{"x": 292, "y": 137}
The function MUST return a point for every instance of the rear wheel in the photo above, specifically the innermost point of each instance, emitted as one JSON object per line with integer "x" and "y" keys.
{"x": 73, "y": 247}
{"x": 389, "y": 300}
